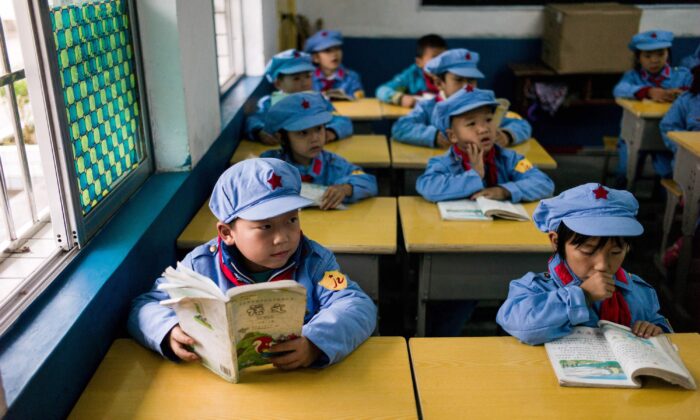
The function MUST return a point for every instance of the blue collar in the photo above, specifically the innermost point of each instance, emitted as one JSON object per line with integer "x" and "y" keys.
{"x": 231, "y": 254}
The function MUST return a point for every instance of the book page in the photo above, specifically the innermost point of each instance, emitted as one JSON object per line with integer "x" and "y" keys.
{"x": 338, "y": 94}
{"x": 584, "y": 358}
{"x": 314, "y": 192}
{"x": 503, "y": 209}
{"x": 461, "y": 210}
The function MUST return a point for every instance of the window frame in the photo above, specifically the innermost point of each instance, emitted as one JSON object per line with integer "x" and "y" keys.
{"x": 233, "y": 18}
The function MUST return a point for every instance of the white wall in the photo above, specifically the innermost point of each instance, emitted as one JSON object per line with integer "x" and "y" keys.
{"x": 406, "y": 18}
{"x": 259, "y": 34}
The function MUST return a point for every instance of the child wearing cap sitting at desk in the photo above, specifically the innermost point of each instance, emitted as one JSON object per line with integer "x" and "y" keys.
{"x": 298, "y": 120}
{"x": 588, "y": 227}
{"x": 452, "y": 71}
{"x": 414, "y": 81}
{"x": 474, "y": 165}
{"x": 290, "y": 72}
{"x": 330, "y": 74}
{"x": 259, "y": 239}
{"x": 652, "y": 78}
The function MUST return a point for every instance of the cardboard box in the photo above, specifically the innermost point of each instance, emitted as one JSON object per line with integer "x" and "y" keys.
{"x": 589, "y": 37}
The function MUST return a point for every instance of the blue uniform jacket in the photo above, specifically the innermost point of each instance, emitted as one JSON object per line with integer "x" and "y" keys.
{"x": 446, "y": 179}
{"x": 634, "y": 80}
{"x": 336, "y": 321}
{"x": 415, "y": 128}
{"x": 330, "y": 169}
{"x": 342, "y": 126}
{"x": 343, "y": 78}
{"x": 684, "y": 115}
{"x": 691, "y": 60}
{"x": 540, "y": 308}
{"x": 410, "y": 81}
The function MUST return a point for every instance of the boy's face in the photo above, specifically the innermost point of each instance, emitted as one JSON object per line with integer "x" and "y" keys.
{"x": 585, "y": 262}
{"x": 453, "y": 83}
{"x": 653, "y": 61}
{"x": 265, "y": 244}
{"x": 329, "y": 59}
{"x": 473, "y": 127}
{"x": 294, "y": 83}
{"x": 428, "y": 54}
{"x": 307, "y": 144}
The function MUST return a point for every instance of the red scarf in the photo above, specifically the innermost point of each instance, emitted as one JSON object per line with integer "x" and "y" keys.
{"x": 430, "y": 86}
{"x": 315, "y": 168}
{"x": 328, "y": 83}
{"x": 490, "y": 171}
{"x": 657, "y": 79}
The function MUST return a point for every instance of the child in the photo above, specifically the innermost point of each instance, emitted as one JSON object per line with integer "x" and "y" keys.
{"x": 298, "y": 121}
{"x": 414, "y": 81}
{"x": 330, "y": 74}
{"x": 652, "y": 78}
{"x": 691, "y": 60}
{"x": 452, "y": 70}
{"x": 474, "y": 165}
{"x": 588, "y": 228}
{"x": 259, "y": 239}
{"x": 290, "y": 72}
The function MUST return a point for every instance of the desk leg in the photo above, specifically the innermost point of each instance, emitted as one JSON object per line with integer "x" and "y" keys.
{"x": 423, "y": 292}
{"x": 632, "y": 163}
{"x": 691, "y": 209}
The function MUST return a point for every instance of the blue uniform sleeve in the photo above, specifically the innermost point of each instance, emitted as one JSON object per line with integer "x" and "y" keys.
{"x": 650, "y": 305}
{"x": 628, "y": 85}
{"x": 535, "y": 315}
{"x": 518, "y": 128}
{"x": 674, "y": 120}
{"x": 685, "y": 78}
{"x": 415, "y": 128}
{"x": 256, "y": 121}
{"x": 364, "y": 185}
{"x": 526, "y": 184}
{"x": 353, "y": 84}
{"x": 391, "y": 91}
{"x": 345, "y": 318}
{"x": 342, "y": 126}
{"x": 438, "y": 183}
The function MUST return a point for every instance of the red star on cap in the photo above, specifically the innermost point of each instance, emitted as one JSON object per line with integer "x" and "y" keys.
{"x": 468, "y": 56}
{"x": 324, "y": 33}
{"x": 275, "y": 181}
{"x": 469, "y": 88}
{"x": 653, "y": 34}
{"x": 600, "y": 192}
{"x": 305, "y": 104}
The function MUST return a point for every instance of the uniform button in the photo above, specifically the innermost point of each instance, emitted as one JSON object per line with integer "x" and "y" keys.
{"x": 212, "y": 248}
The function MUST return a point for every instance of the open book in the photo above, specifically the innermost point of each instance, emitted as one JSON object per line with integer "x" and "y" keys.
{"x": 314, "y": 192}
{"x": 612, "y": 356}
{"x": 500, "y": 112}
{"x": 235, "y": 329}
{"x": 337, "y": 95}
{"x": 481, "y": 209}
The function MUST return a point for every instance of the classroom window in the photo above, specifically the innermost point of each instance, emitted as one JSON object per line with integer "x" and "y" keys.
{"x": 78, "y": 122}
{"x": 228, "y": 26}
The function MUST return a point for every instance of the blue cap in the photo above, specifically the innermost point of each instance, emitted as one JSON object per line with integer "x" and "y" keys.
{"x": 651, "y": 40}
{"x": 462, "y": 101}
{"x": 257, "y": 189}
{"x": 590, "y": 209}
{"x": 298, "y": 111}
{"x": 459, "y": 61}
{"x": 322, "y": 40}
{"x": 288, "y": 62}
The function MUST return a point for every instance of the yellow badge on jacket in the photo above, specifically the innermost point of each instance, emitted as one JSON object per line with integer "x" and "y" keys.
{"x": 357, "y": 172}
{"x": 523, "y": 166}
{"x": 334, "y": 280}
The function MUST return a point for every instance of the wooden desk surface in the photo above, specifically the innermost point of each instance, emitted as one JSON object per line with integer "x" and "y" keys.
{"x": 394, "y": 111}
{"x": 366, "y": 150}
{"x": 689, "y": 140}
{"x": 644, "y": 109}
{"x": 132, "y": 382}
{"x": 499, "y": 377}
{"x": 360, "y": 109}
{"x": 366, "y": 227}
{"x": 424, "y": 231}
{"x": 407, "y": 156}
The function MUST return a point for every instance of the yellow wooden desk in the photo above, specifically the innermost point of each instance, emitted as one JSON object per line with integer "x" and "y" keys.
{"x": 357, "y": 235}
{"x": 686, "y": 173}
{"x": 499, "y": 377}
{"x": 640, "y": 130}
{"x": 366, "y": 150}
{"x": 391, "y": 111}
{"x": 361, "y": 109}
{"x": 132, "y": 382}
{"x": 469, "y": 259}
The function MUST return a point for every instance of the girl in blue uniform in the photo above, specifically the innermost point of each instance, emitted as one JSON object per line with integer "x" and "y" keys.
{"x": 259, "y": 239}
{"x": 299, "y": 121}
{"x": 652, "y": 78}
{"x": 330, "y": 74}
{"x": 588, "y": 227}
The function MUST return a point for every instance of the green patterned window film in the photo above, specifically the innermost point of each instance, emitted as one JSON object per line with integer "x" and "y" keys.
{"x": 98, "y": 77}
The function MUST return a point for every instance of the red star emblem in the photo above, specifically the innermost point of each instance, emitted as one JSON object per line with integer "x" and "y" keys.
{"x": 469, "y": 88}
{"x": 305, "y": 104}
{"x": 600, "y": 192}
{"x": 653, "y": 35}
{"x": 324, "y": 33}
{"x": 275, "y": 181}
{"x": 468, "y": 56}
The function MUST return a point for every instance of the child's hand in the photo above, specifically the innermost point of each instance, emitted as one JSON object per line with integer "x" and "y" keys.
{"x": 494, "y": 193}
{"x": 441, "y": 141}
{"x": 646, "y": 329}
{"x": 599, "y": 286}
{"x": 181, "y": 344}
{"x": 334, "y": 196}
{"x": 408, "y": 101}
{"x": 502, "y": 138}
{"x": 476, "y": 158}
{"x": 661, "y": 95}
{"x": 267, "y": 138}
{"x": 330, "y": 136}
{"x": 675, "y": 92}
{"x": 302, "y": 353}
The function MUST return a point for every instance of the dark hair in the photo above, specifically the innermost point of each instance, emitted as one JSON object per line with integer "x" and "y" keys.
{"x": 429, "y": 41}
{"x": 566, "y": 235}
{"x": 284, "y": 142}
{"x": 695, "y": 85}
{"x": 638, "y": 65}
